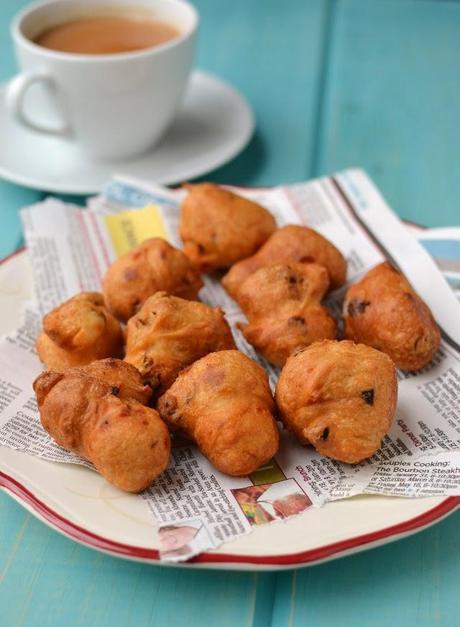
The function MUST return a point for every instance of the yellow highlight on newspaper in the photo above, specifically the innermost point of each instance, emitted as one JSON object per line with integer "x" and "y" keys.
{"x": 129, "y": 228}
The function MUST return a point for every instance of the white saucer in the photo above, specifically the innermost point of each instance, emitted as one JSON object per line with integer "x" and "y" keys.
{"x": 213, "y": 125}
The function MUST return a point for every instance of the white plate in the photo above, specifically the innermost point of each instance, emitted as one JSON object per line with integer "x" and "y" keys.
{"x": 83, "y": 506}
{"x": 213, "y": 125}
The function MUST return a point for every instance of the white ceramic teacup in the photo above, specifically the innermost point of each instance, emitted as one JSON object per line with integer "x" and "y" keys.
{"x": 111, "y": 106}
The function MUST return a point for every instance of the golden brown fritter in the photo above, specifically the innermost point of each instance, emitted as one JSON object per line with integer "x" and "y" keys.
{"x": 340, "y": 397}
{"x": 151, "y": 267}
{"x": 124, "y": 380}
{"x": 383, "y": 311}
{"x": 288, "y": 244}
{"x": 78, "y": 332}
{"x": 283, "y": 306}
{"x": 97, "y": 412}
{"x": 224, "y": 404}
{"x": 219, "y": 227}
{"x": 170, "y": 333}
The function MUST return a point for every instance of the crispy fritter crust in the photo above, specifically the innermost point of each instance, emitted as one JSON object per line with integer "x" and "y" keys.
{"x": 289, "y": 244}
{"x": 151, "y": 267}
{"x": 219, "y": 227}
{"x": 340, "y": 397}
{"x": 383, "y": 311}
{"x": 223, "y": 402}
{"x": 170, "y": 333}
{"x": 97, "y": 412}
{"x": 283, "y": 306}
{"x": 121, "y": 376}
{"x": 78, "y": 332}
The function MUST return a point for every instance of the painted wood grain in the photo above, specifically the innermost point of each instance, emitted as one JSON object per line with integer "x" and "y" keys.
{"x": 334, "y": 83}
{"x": 272, "y": 52}
{"x": 48, "y": 580}
{"x": 12, "y": 197}
{"x": 390, "y": 104}
{"x": 409, "y": 583}
{"x": 392, "y": 100}
{"x": 7, "y": 11}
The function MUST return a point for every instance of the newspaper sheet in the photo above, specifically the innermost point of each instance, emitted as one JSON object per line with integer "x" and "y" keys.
{"x": 196, "y": 507}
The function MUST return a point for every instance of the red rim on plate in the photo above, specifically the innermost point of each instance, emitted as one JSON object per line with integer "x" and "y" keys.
{"x": 328, "y": 551}
{"x": 95, "y": 541}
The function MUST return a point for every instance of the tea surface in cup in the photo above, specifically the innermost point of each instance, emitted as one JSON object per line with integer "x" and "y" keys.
{"x": 107, "y": 35}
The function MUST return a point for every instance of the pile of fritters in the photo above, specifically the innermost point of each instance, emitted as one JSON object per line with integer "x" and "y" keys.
{"x": 179, "y": 354}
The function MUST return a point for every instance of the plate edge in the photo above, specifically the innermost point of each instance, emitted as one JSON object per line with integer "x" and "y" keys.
{"x": 215, "y": 560}
{"x": 291, "y": 560}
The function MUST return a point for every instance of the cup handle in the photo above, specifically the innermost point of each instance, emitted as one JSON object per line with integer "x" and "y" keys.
{"x": 15, "y": 94}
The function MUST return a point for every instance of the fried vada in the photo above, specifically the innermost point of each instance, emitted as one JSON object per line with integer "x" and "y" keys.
{"x": 223, "y": 403}
{"x": 339, "y": 397}
{"x": 383, "y": 311}
{"x": 283, "y": 306}
{"x": 219, "y": 227}
{"x": 291, "y": 243}
{"x": 169, "y": 333}
{"x": 97, "y": 411}
{"x": 78, "y": 332}
{"x": 150, "y": 267}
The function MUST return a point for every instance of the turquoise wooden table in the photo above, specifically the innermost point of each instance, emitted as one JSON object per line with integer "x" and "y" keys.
{"x": 371, "y": 83}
